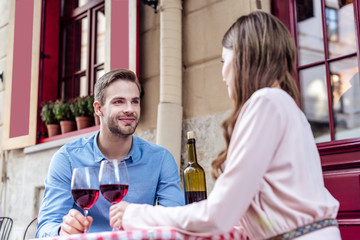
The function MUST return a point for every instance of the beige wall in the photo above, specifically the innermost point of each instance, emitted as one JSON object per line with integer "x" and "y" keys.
{"x": 149, "y": 73}
{"x": 205, "y": 100}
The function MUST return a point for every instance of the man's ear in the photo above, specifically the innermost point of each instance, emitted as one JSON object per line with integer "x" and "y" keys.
{"x": 97, "y": 108}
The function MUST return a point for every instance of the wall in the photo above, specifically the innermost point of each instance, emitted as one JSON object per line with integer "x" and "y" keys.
{"x": 205, "y": 99}
{"x": 204, "y": 23}
{"x": 4, "y": 23}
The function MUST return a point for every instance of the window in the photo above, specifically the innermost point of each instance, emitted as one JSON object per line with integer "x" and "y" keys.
{"x": 57, "y": 50}
{"x": 332, "y": 24}
{"x": 82, "y": 34}
{"x": 305, "y": 10}
{"x": 72, "y": 51}
{"x": 328, "y": 69}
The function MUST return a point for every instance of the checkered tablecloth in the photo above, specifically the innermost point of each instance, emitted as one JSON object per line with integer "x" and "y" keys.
{"x": 152, "y": 234}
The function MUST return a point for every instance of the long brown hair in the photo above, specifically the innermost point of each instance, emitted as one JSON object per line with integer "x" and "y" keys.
{"x": 264, "y": 52}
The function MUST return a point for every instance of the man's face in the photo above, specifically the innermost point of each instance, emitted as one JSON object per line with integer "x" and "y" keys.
{"x": 121, "y": 110}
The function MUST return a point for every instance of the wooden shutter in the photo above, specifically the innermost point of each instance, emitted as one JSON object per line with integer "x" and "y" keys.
{"x": 22, "y": 74}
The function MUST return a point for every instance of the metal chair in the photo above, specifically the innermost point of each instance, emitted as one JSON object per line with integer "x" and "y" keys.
{"x": 5, "y": 227}
{"x": 28, "y": 227}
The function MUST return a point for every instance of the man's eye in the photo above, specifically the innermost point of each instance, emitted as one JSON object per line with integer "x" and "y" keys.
{"x": 135, "y": 101}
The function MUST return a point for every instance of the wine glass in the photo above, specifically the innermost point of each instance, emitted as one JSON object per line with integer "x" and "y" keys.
{"x": 85, "y": 188}
{"x": 114, "y": 181}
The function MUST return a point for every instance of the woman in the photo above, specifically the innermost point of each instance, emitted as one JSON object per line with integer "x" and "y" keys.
{"x": 269, "y": 177}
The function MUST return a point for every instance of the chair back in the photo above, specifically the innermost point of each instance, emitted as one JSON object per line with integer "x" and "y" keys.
{"x": 30, "y": 228}
{"x": 5, "y": 227}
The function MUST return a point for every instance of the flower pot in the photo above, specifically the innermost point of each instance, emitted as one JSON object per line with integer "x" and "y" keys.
{"x": 53, "y": 129}
{"x": 83, "y": 122}
{"x": 67, "y": 126}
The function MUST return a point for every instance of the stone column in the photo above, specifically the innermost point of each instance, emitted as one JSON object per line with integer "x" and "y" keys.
{"x": 169, "y": 118}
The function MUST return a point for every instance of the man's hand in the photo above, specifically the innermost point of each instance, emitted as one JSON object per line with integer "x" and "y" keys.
{"x": 116, "y": 214}
{"x": 74, "y": 222}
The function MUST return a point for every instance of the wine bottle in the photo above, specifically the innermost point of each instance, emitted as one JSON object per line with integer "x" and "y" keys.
{"x": 193, "y": 175}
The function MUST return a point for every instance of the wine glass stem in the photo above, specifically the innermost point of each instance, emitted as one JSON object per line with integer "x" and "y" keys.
{"x": 86, "y": 214}
{"x": 115, "y": 228}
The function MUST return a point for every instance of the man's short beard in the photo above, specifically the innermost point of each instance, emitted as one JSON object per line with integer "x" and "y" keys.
{"x": 121, "y": 133}
{"x": 115, "y": 129}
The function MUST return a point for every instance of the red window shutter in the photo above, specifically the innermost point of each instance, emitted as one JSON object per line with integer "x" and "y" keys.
{"x": 123, "y": 17}
{"x": 21, "y": 89}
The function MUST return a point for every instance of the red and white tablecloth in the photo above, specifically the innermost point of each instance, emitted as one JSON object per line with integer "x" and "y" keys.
{"x": 152, "y": 234}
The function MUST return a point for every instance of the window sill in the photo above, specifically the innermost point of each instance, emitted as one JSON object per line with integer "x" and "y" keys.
{"x": 339, "y": 146}
{"x": 59, "y": 140}
{"x": 340, "y": 154}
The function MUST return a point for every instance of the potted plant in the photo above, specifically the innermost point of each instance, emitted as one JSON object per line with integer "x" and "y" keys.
{"x": 48, "y": 117}
{"x": 64, "y": 115}
{"x": 83, "y": 115}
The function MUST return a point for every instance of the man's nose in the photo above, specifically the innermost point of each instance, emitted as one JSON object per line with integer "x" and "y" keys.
{"x": 129, "y": 108}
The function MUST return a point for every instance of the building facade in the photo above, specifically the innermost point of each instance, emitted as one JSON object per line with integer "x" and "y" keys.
{"x": 56, "y": 49}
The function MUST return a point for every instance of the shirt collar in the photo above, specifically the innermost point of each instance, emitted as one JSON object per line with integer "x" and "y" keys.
{"x": 98, "y": 155}
{"x": 133, "y": 156}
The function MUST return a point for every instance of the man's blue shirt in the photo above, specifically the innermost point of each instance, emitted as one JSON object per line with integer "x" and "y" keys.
{"x": 153, "y": 174}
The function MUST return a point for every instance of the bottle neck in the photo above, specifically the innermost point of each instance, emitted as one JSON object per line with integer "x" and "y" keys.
{"x": 192, "y": 151}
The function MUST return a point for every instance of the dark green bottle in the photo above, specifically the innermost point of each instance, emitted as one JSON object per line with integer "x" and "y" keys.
{"x": 193, "y": 175}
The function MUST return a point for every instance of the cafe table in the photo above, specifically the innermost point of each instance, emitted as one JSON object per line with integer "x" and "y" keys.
{"x": 151, "y": 234}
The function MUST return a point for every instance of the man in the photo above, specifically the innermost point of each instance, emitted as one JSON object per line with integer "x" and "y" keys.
{"x": 152, "y": 170}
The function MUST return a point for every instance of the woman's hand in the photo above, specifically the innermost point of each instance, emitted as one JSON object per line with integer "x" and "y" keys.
{"x": 74, "y": 222}
{"x": 116, "y": 214}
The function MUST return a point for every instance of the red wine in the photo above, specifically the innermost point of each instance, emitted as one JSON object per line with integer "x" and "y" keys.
{"x": 85, "y": 198}
{"x": 114, "y": 192}
{"x": 194, "y": 196}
